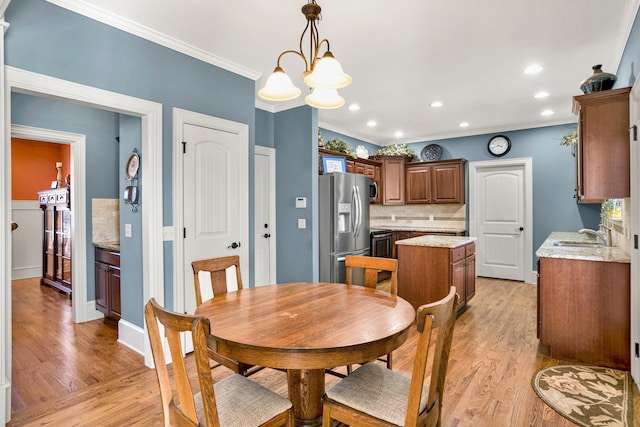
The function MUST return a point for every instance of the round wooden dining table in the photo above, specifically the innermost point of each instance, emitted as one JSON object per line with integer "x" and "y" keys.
{"x": 305, "y": 328}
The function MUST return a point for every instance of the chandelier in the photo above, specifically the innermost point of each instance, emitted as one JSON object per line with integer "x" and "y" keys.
{"x": 323, "y": 74}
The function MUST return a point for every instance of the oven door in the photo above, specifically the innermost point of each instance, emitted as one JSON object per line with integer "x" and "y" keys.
{"x": 381, "y": 244}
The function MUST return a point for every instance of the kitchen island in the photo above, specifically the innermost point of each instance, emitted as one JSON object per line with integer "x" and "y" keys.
{"x": 429, "y": 265}
{"x": 584, "y": 300}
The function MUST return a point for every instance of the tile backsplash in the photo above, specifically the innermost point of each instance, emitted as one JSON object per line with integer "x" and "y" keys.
{"x": 437, "y": 216}
{"x": 621, "y": 228}
{"x": 105, "y": 220}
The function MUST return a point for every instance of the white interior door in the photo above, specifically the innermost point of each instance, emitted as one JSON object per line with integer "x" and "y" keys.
{"x": 265, "y": 237}
{"x": 499, "y": 218}
{"x": 214, "y": 200}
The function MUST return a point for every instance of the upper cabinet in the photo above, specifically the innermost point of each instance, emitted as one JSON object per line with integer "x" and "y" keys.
{"x": 402, "y": 182}
{"x": 435, "y": 182}
{"x": 393, "y": 179}
{"x": 602, "y": 150}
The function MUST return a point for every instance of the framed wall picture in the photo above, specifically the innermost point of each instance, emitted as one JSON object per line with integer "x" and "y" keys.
{"x": 333, "y": 164}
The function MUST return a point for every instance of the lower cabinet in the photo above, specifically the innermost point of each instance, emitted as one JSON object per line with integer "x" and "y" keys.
{"x": 584, "y": 311}
{"x": 107, "y": 266}
{"x": 425, "y": 273}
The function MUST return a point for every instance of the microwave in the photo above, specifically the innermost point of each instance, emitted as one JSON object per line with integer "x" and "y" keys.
{"x": 373, "y": 191}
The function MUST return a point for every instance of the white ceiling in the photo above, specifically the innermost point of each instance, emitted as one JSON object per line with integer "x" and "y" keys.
{"x": 403, "y": 55}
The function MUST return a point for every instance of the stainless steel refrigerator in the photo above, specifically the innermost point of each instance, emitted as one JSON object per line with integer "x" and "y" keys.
{"x": 343, "y": 221}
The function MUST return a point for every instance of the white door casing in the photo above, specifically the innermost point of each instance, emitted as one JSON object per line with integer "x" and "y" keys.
{"x": 500, "y": 216}
{"x": 211, "y": 194}
{"x": 18, "y": 80}
{"x": 265, "y": 216}
{"x": 634, "y": 119}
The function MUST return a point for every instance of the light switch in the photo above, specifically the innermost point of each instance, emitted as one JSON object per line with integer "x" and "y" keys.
{"x": 127, "y": 230}
{"x": 302, "y": 223}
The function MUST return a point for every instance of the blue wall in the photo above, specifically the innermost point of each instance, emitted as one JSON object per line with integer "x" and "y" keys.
{"x": 131, "y": 247}
{"x": 50, "y": 40}
{"x": 100, "y": 128}
{"x": 296, "y": 142}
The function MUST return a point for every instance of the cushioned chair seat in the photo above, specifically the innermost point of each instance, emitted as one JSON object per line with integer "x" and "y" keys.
{"x": 377, "y": 391}
{"x": 242, "y": 402}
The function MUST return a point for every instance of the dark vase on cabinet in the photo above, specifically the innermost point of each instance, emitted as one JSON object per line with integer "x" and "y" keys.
{"x": 56, "y": 239}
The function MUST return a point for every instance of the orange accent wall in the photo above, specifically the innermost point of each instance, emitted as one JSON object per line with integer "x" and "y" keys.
{"x": 33, "y": 166}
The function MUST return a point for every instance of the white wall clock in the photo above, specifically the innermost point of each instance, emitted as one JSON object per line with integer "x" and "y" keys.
{"x": 499, "y": 145}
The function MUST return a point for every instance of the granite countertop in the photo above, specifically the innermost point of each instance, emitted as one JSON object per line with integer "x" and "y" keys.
{"x": 549, "y": 249}
{"x": 437, "y": 241}
{"x": 110, "y": 246}
{"x": 430, "y": 229}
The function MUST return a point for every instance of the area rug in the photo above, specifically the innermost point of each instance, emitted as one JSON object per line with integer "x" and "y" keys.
{"x": 587, "y": 395}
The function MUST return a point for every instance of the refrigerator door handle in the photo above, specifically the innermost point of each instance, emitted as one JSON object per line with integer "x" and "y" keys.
{"x": 359, "y": 199}
{"x": 356, "y": 219}
{"x": 340, "y": 259}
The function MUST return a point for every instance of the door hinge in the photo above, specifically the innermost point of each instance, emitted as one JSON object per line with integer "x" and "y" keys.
{"x": 634, "y": 128}
{"x": 184, "y": 233}
{"x": 637, "y": 346}
{"x": 635, "y": 241}
{"x": 184, "y": 147}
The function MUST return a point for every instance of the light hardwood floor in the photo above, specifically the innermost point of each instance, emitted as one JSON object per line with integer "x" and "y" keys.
{"x": 67, "y": 374}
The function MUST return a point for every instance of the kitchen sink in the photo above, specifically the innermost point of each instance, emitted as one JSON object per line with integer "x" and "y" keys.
{"x": 577, "y": 244}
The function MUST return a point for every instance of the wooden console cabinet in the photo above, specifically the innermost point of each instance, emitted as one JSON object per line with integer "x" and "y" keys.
{"x": 107, "y": 267}
{"x": 425, "y": 273}
{"x": 602, "y": 150}
{"x": 56, "y": 239}
{"x": 584, "y": 310}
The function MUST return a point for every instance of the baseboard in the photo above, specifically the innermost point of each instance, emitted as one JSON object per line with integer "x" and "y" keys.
{"x": 26, "y": 272}
{"x": 91, "y": 312}
{"x": 131, "y": 336}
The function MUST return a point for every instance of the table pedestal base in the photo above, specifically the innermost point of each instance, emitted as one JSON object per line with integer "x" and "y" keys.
{"x": 306, "y": 388}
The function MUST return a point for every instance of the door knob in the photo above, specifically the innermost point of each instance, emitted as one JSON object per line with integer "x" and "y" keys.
{"x": 234, "y": 245}
{"x": 266, "y": 235}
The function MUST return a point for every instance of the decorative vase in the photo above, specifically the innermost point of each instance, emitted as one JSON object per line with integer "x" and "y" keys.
{"x": 59, "y": 174}
{"x": 598, "y": 81}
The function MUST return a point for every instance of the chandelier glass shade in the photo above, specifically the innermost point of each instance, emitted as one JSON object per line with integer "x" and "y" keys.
{"x": 323, "y": 74}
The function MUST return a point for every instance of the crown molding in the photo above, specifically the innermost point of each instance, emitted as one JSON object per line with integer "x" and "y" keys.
{"x": 154, "y": 36}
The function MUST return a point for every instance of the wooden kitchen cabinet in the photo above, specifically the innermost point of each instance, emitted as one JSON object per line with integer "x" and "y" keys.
{"x": 435, "y": 182}
{"x": 107, "y": 273}
{"x": 393, "y": 179}
{"x": 56, "y": 239}
{"x": 584, "y": 311}
{"x": 602, "y": 150}
{"x": 425, "y": 273}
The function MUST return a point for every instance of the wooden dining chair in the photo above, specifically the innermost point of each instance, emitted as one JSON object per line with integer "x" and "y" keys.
{"x": 217, "y": 269}
{"x": 372, "y": 266}
{"x": 234, "y": 401}
{"x": 375, "y": 396}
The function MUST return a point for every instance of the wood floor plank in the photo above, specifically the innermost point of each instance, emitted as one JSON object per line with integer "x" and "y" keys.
{"x": 90, "y": 379}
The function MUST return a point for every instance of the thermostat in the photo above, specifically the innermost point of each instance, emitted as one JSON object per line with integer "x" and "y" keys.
{"x": 301, "y": 202}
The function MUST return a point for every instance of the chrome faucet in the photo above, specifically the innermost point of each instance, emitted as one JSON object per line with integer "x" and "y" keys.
{"x": 605, "y": 235}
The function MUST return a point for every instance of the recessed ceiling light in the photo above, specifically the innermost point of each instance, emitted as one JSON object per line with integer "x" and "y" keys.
{"x": 436, "y": 104}
{"x": 398, "y": 134}
{"x": 541, "y": 94}
{"x": 464, "y": 124}
{"x": 354, "y": 107}
{"x": 372, "y": 123}
{"x": 547, "y": 113}
{"x": 533, "y": 69}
